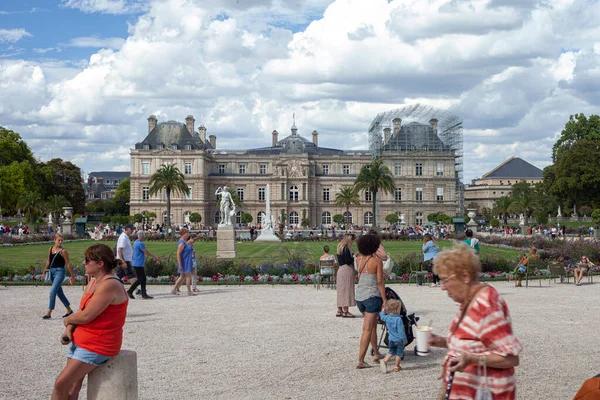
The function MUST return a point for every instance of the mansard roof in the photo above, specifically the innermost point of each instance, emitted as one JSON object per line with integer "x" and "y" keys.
{"x": 514, "y": 167}
{"x": 170, "y": 133}
{"x": 416, "y": 136}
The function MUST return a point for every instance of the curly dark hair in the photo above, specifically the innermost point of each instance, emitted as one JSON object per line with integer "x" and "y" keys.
{"x": 368, "y": 244}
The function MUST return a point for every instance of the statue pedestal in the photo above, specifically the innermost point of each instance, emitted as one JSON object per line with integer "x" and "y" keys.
{"x": 267, "y": 235}
{"x": 66, "y": 228}
{"x": 226, "y": 242}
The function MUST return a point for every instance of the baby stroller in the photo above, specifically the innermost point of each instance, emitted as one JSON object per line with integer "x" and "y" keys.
{"x": 408, "y": 320}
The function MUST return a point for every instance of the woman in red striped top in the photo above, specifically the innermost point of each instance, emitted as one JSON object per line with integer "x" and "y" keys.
{"x": 480, "y": 332}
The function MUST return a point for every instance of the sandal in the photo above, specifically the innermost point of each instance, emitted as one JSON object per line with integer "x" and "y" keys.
{"x": 348, "y": 315}
{"x": 378, "y": 358}
{"x": 339, "y": 314}
{"x": 363, "y": 365}
{"x": 195, "y": 291}
{"x": 396, "y": 369}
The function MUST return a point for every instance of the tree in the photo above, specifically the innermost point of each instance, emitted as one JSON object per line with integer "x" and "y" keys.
{"x": 120, "y": 202}
{"x": 246, "y": 218}
{"x": 137, "y": 218}
{"x": 171, "y": 180}
{"x": 16, "y": 180}
{"x": 540, "y": 217}
{"x": 525, "y": 203}
{"x": 391, "y": 219}
{"x": 596, "y": 217}
{"x": 375, "y": 177}
{"x": 305, "y": 222}
{"x": 502, "y": 207}
{"x": 346, "y": 197}
{"x": 55, "y": 205}
{"x": 63, "y": 178}
{"x": 195, "y": 218}
{"x": 13, "y": 148}
{"x": 578, "y": 128}
{"x": 338, "y": 218}
{"x": 30, "y": 203}
{"x": 495, "y": 222}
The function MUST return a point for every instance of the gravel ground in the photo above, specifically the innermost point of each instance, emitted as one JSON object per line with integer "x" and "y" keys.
{"x": 283, "y": 342}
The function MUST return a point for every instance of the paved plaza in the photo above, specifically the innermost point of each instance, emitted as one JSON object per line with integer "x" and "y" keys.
{"x": 284, "y": 342}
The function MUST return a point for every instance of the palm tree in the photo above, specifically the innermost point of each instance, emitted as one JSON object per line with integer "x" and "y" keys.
{"x": 375, "y": 177}
{"x": 55, "y": 205}
{"x": 30, "y": 204}
{"x": 525, "y": 203}
{"x": 169, "y": 178}
{"x": 502, "y": 206}
{"x": 347, "y": 197}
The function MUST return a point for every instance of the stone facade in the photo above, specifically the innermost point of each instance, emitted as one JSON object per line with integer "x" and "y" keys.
{"x": 304, "y": 178}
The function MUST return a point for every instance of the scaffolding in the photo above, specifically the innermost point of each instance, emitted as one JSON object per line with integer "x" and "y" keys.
{"x": 417, "y": 129}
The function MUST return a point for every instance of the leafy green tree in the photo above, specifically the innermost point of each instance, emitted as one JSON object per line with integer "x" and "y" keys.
{"x": 495, "y": 222}
{"x": 246, "y": 218}
{"x": 195, "y": 218}
{"x": 502, "y": 206}
{"x": 338, "y": 218}
{"x": 13, "y": 148}
{"x": 596, "y": 216}
{"x": 391, "y": 219}
{"x": 137, "y": 218}
{"x": 578, "y": 128}
{"x": 16, "y": 180}
{"x": 540, "y": 217}
{"x": 168, "y": 178}
{"x": 63, "y": 178}
{"x": 440, "y": 218}
{"x": 305, "y": 222}
{"x": 120, "y": 203}
{"x": 376, "y": 178}
{"x": 346, "y": 197}
{"x": 525, "y": 203}
{"x": 30, "y": 204}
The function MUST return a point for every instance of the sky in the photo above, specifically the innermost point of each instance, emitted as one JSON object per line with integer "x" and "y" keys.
{"x": 79, "y": 78}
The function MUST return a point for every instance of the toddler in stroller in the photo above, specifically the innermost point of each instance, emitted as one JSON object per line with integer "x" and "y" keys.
{"x": 408, "y": 321}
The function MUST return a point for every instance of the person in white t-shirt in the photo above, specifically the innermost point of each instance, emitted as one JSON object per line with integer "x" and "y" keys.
{"x": 125, "y": 253}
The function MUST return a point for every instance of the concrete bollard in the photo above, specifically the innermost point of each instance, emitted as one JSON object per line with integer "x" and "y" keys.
{"x": 117, "y": 380}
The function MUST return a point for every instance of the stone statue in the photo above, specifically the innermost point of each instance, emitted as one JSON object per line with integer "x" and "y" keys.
{"x": 227, "y": 205}
{"x": 267, "y": 221}
{"x": 559, "y": 214}
{"x": 521, "y": 219}
{"x": 50, "y": 219}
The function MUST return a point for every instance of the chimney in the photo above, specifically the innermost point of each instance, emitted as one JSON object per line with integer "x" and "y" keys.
{"x": 151, "y": 122}
{"x": 386, "y": 135}
{"x": 397, "y": 125}
{"x": 316, "y": 138}
{"x": 275, "y": 134}
{"x": 433, "y": 123}
{"x": 213, "y": 141}
{"x": 189, "y": 123}
{"x": 202, "y": 132}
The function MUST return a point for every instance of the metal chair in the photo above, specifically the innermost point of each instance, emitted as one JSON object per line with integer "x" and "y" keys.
{"x": 557, "y": 269}
{"x": 327, "y": 271}
{"x": 416, "y": 273}
{"x": 532, "y": 265}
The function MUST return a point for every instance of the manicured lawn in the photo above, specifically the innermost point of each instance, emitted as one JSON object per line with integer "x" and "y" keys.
{"x": 255, "y": 253}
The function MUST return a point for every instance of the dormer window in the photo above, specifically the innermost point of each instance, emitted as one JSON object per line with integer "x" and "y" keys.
{"x": 146, "y": 147}
{"x": 161, "y": 146}
{"x": 174, "y": 147}
{"x": 188, "y": 146}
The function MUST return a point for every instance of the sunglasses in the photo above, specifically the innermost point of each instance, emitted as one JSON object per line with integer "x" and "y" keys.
{"x": 87, "y": 260}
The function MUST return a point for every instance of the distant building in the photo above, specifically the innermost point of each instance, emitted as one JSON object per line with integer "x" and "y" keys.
{"x": 304, "y": 177}
{"x": 103, "y": 185}
{"x": 499, "y": 181}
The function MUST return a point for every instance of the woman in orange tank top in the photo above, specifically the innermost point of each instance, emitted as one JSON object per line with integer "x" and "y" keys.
{"x": 95, "y": 332}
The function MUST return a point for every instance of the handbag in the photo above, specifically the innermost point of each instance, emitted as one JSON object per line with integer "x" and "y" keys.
{"x": 483, "y": 391}
{"x": 388, "y": 265}
{"x": 47, "y": 277}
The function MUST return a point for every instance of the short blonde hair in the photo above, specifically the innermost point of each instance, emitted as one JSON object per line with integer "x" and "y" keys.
{"x": 392, "y": 306}
{"x": 458, "y": 260}
{"x": 183, "y": 231}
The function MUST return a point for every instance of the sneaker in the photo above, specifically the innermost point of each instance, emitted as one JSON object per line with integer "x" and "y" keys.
{"x": 396, "y": 369}
{"x": 383, "y": 366}
{"x": 433, "y": 285}
{"x": 146, "y": 297}
{"x": 138, "y": 292}
{"x": 131, "y": 296}
{"x": 191, "y": 294}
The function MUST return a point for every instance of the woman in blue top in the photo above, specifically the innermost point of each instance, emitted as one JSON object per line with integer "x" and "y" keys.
{"x": 184, "y": 262}
{"x": 430, "y": 251}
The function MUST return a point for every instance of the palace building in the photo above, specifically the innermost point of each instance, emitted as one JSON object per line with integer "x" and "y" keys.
{"x": 303, "y": 176}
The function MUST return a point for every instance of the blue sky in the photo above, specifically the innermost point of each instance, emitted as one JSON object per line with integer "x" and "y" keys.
{"x": 79, "y": 78}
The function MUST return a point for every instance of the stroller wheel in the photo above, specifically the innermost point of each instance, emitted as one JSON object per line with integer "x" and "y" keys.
{"x": 372, "y": 352}
{"x": 416, "y": 351}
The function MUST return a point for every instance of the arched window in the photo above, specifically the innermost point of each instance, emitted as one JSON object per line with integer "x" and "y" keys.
{"x": 238, "y": 217}
{"x": 218, "y": 217}
{"x": 186, "y": 217}
{"x": 293, "y": 193}
{"x": 326, "y": 218}
{"x": 293, "y": 218}
{"x": 368, "y": 220}
{"x": 260, "y": 217}
{"x": 347, "y": 217}
{"x": 419, "y": 218}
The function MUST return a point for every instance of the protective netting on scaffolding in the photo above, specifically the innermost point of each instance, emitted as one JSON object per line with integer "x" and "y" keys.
{"x": 418, "y": 128}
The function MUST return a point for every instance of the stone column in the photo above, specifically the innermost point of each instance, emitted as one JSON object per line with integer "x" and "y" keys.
{"x": 115, "y": 380}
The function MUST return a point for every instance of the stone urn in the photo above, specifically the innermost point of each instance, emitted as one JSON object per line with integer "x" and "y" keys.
{"x": 68, "y": 213}
{"x": 472, "y": 224}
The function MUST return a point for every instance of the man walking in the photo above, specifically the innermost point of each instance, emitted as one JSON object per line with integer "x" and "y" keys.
{"x": 139, "y": 263}
{"x": 125, "y": 253}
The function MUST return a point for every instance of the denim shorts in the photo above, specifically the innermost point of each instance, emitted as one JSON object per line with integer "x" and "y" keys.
{"x": 372, "y": 305}
{"x": 85, "y": 356}
{"x": 396, "y": 348}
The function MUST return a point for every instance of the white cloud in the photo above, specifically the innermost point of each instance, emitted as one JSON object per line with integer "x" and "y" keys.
{"x": 514, "y": 70}
{"x": 97, "y": 42}
{"x": 13, "y": 35}
{"x": 107, "y": 6}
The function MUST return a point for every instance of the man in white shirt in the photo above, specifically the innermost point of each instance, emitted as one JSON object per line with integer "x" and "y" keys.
{"x": 125, "y": 253}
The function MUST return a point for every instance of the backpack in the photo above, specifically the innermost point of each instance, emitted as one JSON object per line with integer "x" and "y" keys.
{"x": 590, "y": 390}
